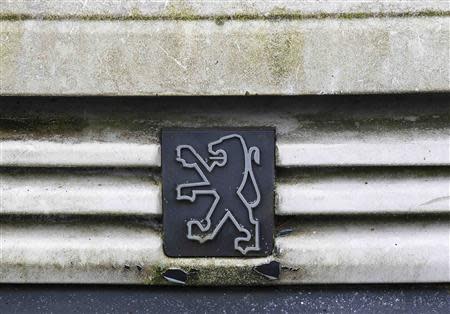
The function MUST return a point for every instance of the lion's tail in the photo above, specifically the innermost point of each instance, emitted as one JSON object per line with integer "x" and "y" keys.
{"x": 256, "y": 157}
{"x": 255, "y": 154}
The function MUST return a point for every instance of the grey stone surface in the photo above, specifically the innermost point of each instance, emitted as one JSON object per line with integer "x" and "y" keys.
{"x": 189, "y": 9}
{"x": 294, "y": 299}
{"x": 202, "y": 57}
{"x": 322, "y": 250}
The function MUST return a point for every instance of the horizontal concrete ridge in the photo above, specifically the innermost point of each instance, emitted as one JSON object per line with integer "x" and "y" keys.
{"x": 100, "y": 192}
{"x": 289, "y": 57}
{"x": 86, "y": 193}
{"x": 194, "y": 9}
{"x": 320, "y": 252}
{"x": 50, "y": 154}
{"x": 367, "y": 131}
{"x": 361, "y": 190}
{"x": 89, "y": 154}
{"x": 364, "y": 191}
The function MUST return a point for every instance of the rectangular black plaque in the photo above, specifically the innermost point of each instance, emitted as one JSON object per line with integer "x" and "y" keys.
{"x": 218, "y": 187}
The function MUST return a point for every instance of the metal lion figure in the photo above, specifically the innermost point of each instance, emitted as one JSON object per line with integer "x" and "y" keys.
{"x": 211, "y": 184}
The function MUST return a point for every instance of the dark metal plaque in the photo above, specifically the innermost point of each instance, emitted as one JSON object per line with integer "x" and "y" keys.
{"x": 218, "y": 191}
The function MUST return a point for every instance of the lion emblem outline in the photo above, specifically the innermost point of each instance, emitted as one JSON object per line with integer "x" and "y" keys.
{"x": 202, "y": 230}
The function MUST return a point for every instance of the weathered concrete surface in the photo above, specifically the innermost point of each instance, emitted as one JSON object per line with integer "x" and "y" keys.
{"x": 351, "y": 251}
{"x": 191, "y": 9}
{"x": 315, "y": 192}
{"x": 425, "y": 151}
{"x": 411, "y": 130}
{"x": 324, "y": 56}
{"x": 99, "y": 193}
{"x": 363, "y": 191}
{"x": 112, "y": 132}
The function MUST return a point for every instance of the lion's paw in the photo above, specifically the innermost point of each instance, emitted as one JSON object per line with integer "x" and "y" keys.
{"x": 198, "y": 231}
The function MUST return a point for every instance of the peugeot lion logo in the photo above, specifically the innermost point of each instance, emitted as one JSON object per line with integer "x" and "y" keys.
{"x": 213, "y": 202}
{"x": 204, "y": 230}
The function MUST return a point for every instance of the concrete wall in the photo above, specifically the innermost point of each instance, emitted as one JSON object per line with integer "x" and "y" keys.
{"x": 229, "y": 48}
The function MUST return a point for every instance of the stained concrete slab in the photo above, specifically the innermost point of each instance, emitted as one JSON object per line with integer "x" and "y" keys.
{"x": 203, "y": 57}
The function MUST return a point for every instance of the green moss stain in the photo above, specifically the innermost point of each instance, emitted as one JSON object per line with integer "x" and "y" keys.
{"x": 153, "y": 275}
{"x": 285, "y": 55}
{"x": 180, "y": 10}
{"x": 209, "y": 274}
{"x": 232, "y": 275}
{"x": 43, "y": 125}
{"x": 328, "y": 122}
{"x": 135, "y": 14}
{"x": 11, "y": 38}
